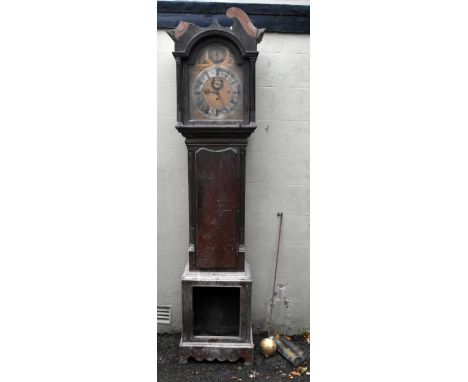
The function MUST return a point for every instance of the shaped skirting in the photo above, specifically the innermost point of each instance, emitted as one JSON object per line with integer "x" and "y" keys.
{"x": 220, "y": 351}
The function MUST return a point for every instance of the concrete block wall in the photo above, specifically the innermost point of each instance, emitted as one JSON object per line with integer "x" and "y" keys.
{"x": 277, "y": 180}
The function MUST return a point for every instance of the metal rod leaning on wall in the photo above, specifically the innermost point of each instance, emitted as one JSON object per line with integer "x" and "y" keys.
{"x": 273, "y": 293}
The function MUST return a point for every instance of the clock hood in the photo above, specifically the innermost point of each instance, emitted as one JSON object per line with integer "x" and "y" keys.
{"x": 242, "y": 33}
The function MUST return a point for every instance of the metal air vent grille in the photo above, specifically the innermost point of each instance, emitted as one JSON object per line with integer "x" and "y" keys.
{"x": 164, "y": 314}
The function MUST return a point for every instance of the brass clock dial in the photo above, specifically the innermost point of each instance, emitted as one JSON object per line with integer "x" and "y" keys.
{"x": 216, "y": 92}
{"x": 216, "y": 85}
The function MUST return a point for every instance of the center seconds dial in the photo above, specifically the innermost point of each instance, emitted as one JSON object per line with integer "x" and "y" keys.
{"x": 216, "y": 92}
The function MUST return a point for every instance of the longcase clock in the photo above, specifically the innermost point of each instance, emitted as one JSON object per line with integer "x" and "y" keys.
{"x": 215, "y": 69}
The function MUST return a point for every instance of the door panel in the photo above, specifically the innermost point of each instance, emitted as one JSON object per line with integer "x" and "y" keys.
{"x": 217, "y": 204}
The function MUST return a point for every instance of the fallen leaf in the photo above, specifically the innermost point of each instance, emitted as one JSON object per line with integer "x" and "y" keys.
{"x": 302, "y": 369}
{"x": 295, "y": 373}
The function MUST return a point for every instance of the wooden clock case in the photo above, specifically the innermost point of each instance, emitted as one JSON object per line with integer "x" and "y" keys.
{"x": 216, "y": 284}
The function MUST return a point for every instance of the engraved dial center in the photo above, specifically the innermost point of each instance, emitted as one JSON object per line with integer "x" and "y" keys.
{"x": 216, "y": 92}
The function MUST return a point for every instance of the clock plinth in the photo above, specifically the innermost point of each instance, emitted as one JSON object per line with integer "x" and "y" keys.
{"x": 216, "y": 316}
{"x": 216, "y": 114}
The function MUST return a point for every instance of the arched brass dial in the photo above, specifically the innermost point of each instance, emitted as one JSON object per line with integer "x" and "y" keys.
{"x": 216, "y": 92}
{"x": 216, "y": 85}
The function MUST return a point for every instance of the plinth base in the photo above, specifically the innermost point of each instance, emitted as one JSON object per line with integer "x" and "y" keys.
{"x": 220, "y": 351}
{"x": 216, "y": 316}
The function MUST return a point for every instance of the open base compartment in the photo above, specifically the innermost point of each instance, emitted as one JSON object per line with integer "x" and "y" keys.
{"x": 216, "y": 316}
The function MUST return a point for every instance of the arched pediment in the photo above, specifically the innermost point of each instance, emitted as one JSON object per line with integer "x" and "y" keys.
{"x": 242, "y": 34}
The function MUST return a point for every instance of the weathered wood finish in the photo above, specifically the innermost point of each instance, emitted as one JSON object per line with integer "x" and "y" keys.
{"x": 216, "y": 201}
{"x": 216, "y": 346}
{"x": 216, "y": 149}
{"x": 221, "y": 351}
{"x": 217, "y": 207}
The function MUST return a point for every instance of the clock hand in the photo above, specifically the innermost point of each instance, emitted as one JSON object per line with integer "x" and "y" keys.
{"x": 221, "y": 99}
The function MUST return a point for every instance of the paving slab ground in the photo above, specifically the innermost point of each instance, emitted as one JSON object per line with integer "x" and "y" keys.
{"x": 275, "y": 368}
